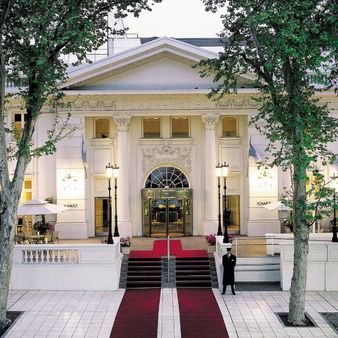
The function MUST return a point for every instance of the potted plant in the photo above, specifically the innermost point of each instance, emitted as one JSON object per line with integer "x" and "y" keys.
{"x": 211, "y": 241}
{"x": 125, "y": 243}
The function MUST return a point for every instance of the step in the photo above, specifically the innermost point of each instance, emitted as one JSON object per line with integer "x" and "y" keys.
{"x": 192, "y": 262}
{"x": 144, "y": 267}
{"x": 145, "y": 259}
{"x": 193, "y": 277}
{"x": 192, "y": 267}
{"x": 144, "y": 278}
{"x": 143, "y": 284}
{"x": 196, "y": 284}
{"x": 192, "y": 258}
{"x": 136, "y": 263}
{"x": 192, "y": 272}
{"x": 143, "y": 272}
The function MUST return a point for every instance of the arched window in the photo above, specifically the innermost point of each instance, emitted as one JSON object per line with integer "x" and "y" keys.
{"x": 167, "y": 177}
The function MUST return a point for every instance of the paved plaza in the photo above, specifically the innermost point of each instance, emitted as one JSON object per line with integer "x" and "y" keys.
{"x": 92, "y": 314}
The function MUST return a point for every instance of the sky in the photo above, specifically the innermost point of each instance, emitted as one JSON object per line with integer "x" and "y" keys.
{"x": 176, "y": 18}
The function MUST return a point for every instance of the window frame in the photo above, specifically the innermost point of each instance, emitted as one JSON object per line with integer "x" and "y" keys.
{"x": 161, "y": 127}
{"x": 222, "y": 126}
{"x": 109, "y": 128}
{"x": 171, "y": 118}
{"x": 18, "y": 131}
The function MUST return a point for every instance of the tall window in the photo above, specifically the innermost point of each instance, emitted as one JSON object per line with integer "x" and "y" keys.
{"x": 151, "y": 127}
{"x": 230, "y": 126}
{"x": 102, "y": 128}
{"x": 179, "y": 127}
{"x": 19, "y": 123}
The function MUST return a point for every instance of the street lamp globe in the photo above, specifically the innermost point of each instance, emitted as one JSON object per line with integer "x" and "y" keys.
{"x": 115, "y": 170}
{"x": 219, "y": 170}
{"x": 109, "y": 171}
{"x": 225, "y": 169}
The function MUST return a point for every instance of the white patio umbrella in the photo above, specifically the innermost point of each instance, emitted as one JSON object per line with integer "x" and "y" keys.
{"x": 38, "y": 207}
{"x": 277, "y": 206}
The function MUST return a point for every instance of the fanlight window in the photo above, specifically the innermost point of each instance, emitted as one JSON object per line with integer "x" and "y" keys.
{"x": 167, "y": 177}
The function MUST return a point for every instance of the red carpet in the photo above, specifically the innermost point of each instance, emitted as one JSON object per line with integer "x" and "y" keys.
{"x": 200, "y": 315}
{"x": 137, "y": 316}
{"x": 160, "y": 249}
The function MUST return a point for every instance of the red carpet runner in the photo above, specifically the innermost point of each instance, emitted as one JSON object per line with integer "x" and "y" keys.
{"x": 200, "y": 315}
{"x": 160, "y": 249}
{"x": 137, "y": 316}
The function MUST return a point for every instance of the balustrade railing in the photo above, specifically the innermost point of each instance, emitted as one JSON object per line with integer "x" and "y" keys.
{"x": 50, "y": 256}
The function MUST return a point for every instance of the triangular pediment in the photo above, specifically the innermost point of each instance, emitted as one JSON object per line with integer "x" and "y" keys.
{"x": 162, "y": 64}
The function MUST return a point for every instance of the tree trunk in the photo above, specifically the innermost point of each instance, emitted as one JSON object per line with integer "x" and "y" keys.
{"x": 6, "y": 243}
{"x": 301, "y": 248}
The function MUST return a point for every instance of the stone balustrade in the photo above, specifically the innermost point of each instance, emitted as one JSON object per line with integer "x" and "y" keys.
{"x": 66, "y": 266}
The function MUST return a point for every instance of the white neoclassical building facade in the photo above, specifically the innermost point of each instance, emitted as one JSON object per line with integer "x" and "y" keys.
{"x": 146, "y": 109}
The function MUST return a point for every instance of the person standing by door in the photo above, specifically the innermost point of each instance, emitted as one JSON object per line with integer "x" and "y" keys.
{"x": 229, "y": 263}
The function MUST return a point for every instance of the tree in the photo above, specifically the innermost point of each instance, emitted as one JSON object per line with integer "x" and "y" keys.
{"x": 282, "y": 43}
{"x": 33, "y": 36}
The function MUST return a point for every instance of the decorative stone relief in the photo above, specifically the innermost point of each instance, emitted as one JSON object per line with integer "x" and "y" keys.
{"x": 210, "y": 121}
{"x": 154, "y": 155}
{"x": 122, "y": 122}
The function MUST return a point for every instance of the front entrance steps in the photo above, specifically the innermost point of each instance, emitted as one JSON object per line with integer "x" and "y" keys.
{"x": 193, "y": 272}
{"x": 172, "y": 273}
{"x": 144, "y": 273}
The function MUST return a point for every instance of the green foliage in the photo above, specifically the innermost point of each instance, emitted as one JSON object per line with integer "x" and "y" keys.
{"x": 319, "y": 198}
{"x": 34, "y": 37}
{"x": 284, "y": 44}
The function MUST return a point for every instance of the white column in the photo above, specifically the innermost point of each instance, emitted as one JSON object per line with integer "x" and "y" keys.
{"x": 210, "y": 180}
{"x": 123, "y": 191}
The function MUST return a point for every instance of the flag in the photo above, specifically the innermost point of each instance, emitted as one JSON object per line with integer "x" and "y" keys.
{"x": 253, "y": 152}
{"x": 83, "y": 151}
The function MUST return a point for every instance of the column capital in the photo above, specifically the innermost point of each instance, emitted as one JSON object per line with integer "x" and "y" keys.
{"x": 210, "y": 121}
{"x": 122, "y": 122}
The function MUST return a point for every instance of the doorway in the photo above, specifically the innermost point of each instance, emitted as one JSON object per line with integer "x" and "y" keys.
{"x": 101, "y": 216}
{"x": 167, "y": 212}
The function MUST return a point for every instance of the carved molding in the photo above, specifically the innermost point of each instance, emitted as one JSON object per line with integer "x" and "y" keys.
{"x": 210, "y": 121}
{"x": 122, "y": 122}
{"x": 154, "y": 155}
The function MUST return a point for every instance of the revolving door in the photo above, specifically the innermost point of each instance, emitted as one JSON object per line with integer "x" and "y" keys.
{"x": 167, "y": 212}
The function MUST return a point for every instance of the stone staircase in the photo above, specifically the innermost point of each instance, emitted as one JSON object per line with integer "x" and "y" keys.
{"x": 193, "y": 273}
{"x": 144, "y": 273}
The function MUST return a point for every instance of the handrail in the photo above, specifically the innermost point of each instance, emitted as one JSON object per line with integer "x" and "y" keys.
{"x": 168, "y": 254}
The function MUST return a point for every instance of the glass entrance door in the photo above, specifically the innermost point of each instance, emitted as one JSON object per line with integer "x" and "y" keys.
{"x": 167, "y": 212}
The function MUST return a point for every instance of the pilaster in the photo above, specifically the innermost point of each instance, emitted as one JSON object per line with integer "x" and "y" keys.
{"x": 123, "y": 191}
{"x": 210, "y": 219}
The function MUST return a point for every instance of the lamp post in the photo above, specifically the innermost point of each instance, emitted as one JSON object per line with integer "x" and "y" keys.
{"x": 116, "y": 175}
{"x": 109, "y": 174}
{"x": 219, "y": 174}
{"x": 334, "y": 227}
{"x": 225, "y": 171}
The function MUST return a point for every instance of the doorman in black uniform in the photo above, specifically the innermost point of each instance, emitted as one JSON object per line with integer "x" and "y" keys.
{"x": 229, "y": 263}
